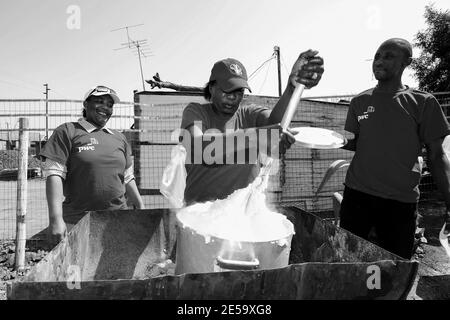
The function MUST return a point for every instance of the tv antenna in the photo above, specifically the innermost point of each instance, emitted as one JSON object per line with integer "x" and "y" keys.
{"x": 141, "y": 47}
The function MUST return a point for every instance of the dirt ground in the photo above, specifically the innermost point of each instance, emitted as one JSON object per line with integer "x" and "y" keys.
{"x": 432, "y": 281}
{"x": 33, "y": 254}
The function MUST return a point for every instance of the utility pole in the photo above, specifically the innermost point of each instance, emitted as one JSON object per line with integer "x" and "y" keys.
{"x": 46, "y": 109}
{"x": 277, "y": 52}
{"x": 9, "y": 142}
{"x": 139, "y": 45}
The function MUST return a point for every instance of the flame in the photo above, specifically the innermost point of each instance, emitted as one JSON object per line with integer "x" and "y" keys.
{"x": 236, "y": 250}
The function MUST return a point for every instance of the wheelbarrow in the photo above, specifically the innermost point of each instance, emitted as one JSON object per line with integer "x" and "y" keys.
{"x": 114, "y": 255}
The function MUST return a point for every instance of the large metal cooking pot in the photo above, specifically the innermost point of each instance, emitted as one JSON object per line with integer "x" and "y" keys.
{"x": 198, "y": 253}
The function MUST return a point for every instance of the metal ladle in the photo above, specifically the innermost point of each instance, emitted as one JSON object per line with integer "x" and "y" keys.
{"x": 285, "y": 122}
{"x": 293, "y": 102}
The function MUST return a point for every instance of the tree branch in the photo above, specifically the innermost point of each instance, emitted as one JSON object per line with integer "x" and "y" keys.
{"x": 157, "y": 82}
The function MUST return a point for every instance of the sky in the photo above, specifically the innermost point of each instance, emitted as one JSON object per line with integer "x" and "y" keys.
{"x": 71, "y": 44}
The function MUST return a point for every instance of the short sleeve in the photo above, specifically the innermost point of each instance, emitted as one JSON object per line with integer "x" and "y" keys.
{"x": 351, "y": 122}
{"x": 255, "y": 115}
{"x": 58, "y": 146}
{"x": 434, "y": 125}
{"x": 193, "y": 112}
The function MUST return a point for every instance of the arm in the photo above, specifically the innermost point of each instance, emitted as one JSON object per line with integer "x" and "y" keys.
{"x": 54, "y": 156}
{"x": 133, "y": 193}
{"x": 352, "y": 126}
{"x": 351, "y": 144}
{"x": 307, "y": 70}
{"x": 54, "y": 193}
{"x": 131, "y": 189}
{"x": 440, "y": 170}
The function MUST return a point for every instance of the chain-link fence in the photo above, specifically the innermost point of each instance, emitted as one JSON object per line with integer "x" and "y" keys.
{"x": 148, "y": 124}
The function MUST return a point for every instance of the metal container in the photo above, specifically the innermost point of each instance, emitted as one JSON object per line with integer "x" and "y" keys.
{"x": 115, "y": 255}
{"x": 198, "y": 253}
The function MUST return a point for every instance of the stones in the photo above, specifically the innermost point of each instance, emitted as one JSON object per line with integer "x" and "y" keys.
{"x": 7, "y": 262}
{"x": 3, "y": 273}
{"x": 30, "y": 256}
{"x": 10, "y": 260}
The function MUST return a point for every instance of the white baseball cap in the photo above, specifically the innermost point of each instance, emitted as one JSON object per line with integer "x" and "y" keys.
{"x": 101, "y": 91}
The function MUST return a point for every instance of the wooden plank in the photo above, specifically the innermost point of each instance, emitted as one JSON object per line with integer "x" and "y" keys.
{"x": 22, "y": 187}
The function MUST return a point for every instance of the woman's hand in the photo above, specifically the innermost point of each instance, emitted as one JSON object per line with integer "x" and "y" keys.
{"x": 56, "y": 231}
{"x": 307, "y": 70}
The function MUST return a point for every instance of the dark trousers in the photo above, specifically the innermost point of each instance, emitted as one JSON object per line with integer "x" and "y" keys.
{"x": 394, "y": 222}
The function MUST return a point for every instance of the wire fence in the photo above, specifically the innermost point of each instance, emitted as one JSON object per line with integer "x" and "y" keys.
{"x": 148, "y": 124}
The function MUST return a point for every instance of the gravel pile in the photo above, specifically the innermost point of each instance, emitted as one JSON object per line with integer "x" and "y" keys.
{"x": 33, "y": 255}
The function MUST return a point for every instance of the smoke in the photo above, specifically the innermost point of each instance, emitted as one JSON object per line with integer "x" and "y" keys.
{"x": 243, "y": 216}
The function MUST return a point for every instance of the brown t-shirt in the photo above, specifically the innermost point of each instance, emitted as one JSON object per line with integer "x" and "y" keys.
{"x": 217, "y": 181}
{"x": 392, "y": 128}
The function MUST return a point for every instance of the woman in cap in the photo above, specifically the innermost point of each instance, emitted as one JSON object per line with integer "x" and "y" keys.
{"x": 88, "y": 164}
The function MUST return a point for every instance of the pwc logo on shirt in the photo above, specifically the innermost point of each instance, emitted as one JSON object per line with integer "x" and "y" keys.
{"x": 87, "y": 147}
{"x": 365, "y": 115}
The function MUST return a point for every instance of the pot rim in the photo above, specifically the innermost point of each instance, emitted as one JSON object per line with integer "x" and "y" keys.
{"x": 182, "y": 225}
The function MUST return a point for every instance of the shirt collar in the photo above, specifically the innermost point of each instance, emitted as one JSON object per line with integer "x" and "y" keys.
{"x": 89, "y": 127}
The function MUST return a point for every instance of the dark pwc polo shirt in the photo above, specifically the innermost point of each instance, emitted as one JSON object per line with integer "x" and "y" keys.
{"x": 96, "y": 162}
{"x": 392, "y": 128}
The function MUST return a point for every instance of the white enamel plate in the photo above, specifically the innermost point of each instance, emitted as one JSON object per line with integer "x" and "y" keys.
{"x": 318, "y": 138}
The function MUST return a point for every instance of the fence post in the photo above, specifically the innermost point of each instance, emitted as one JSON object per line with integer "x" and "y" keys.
{"x": 21, "y": 234}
